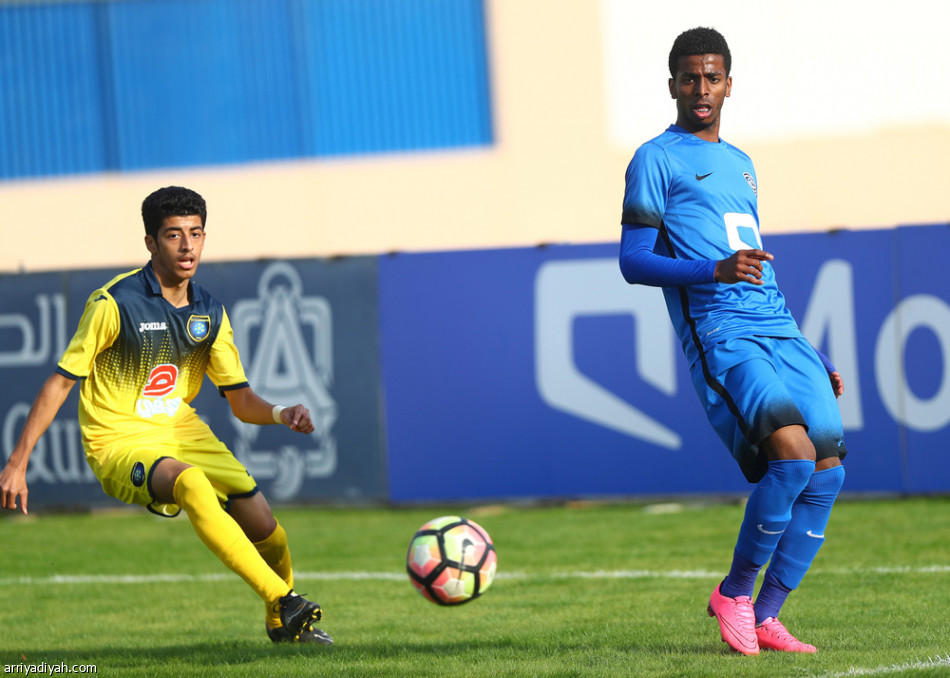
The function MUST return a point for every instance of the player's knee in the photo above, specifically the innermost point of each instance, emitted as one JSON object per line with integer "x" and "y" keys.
{"x": 837, "y": 472}
{"x": 800, "y": 472}
{"x": 163, "y": 478}
{"x": 789, "y": 442}
{"x": 828, "y": 482}
{"x": 254, "y": 516}
{"x": 191, "y": 485}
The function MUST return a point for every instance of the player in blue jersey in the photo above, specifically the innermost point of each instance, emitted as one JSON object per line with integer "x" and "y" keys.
{"x": 144, "y": 344}
{"x": 690, "y": 225}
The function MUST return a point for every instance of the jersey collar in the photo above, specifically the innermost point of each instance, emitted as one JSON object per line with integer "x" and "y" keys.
{"x": 155, "y": 288}
{"x": 686, "y": 134}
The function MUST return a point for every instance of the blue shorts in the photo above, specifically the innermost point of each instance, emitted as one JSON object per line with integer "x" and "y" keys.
{"x": 752, "y": 386}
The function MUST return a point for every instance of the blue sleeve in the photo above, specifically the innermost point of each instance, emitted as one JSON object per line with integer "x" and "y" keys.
{"x": 640, "y": 265}
{"x": 648, "y": 181}
{"x": 826, "y": 361}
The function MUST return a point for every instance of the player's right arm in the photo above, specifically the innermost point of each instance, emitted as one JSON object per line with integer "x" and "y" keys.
{"x": 51, "y": 397}
{"x": 742, "y": 266}
{"x": 648, "y": 179}
{"x": 98, "y": 328}
{"x": 640, "y": 265}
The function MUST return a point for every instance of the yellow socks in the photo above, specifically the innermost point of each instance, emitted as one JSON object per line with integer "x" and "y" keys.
{"x": 220, "y": 533}
{"x": 275, "y": 553}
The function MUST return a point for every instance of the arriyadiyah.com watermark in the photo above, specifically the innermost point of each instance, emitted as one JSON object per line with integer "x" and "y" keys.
{"x": 52, "y": 669}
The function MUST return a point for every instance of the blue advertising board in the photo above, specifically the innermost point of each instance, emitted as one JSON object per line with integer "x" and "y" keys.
{"x": 539, "y": 372}
{"x": 516, "y": 373}
{"x": 307, "y": 333}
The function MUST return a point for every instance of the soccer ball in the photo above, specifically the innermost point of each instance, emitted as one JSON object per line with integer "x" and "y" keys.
{"x": 451, "y": 560}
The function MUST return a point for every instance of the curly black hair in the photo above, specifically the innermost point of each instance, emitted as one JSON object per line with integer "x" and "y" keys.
{"x": 699, "y": 41}
{"x": 171, "y": 201}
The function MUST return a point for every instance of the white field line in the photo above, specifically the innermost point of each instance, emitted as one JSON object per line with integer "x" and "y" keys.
{"x": 79, "y": 579}
{"x": 853, "y": 672}
{"x": 933, "y": 662}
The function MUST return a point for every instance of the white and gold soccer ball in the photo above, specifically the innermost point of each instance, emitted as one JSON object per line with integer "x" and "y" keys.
{"x": 451, "y": 560}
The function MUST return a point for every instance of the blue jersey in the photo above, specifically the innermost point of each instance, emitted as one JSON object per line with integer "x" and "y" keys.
{"x": 702, "y": 198}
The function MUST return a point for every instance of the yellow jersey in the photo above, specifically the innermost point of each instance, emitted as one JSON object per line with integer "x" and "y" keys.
{"x": 142, "y": 361}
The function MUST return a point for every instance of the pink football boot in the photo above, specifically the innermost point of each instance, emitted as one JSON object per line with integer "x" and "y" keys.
{"x": 773, "y": 635}
{"x": 736, "y": 618}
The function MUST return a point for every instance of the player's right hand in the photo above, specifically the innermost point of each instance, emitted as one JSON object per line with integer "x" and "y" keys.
{"x": 13, "y": 485}
{"x": 743, "y": 266}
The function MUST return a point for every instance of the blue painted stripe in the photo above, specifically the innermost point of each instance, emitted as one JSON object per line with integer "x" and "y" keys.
{"x": 138, "y": 84}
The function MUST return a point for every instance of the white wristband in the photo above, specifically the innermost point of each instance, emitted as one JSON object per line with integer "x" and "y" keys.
{"x": 276, "y": 412}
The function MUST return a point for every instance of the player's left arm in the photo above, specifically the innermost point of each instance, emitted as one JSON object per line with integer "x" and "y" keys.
{"x": 837, "y": 382}
{"x": 226, "y": 372}
{"x": 250, "y": 408}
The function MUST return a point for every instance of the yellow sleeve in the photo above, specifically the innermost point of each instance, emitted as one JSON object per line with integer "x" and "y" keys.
{"x": 224, "y": 366}
{"x": 98, "y": 328}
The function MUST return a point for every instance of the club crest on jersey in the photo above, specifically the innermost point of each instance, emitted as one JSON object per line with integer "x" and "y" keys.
{"x": 138, "y": 474}
{"x": 749, "y": 178}
{"x": 199, "y": 327}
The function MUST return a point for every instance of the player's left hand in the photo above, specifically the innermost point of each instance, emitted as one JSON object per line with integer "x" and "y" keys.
{"x": 837, "y": 383}
{"x": 297, "y": 418}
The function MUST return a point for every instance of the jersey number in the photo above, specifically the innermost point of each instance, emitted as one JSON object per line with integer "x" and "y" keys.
{"x": 742, "y": 231}
{"x": 161, "y": 381}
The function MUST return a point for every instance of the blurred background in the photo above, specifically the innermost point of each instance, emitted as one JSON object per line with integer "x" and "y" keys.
{"x": 325, "y": 127}
{"x": 415, "y": 205}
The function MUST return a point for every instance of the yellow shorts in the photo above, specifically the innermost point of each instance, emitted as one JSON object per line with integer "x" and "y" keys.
{"x": 125, "y": 471}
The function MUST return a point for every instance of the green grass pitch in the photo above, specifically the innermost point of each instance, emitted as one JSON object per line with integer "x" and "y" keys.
{"x": 586, "y": 589}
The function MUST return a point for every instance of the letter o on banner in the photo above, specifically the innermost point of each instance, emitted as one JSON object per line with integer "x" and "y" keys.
{"x": 914, "y": 312}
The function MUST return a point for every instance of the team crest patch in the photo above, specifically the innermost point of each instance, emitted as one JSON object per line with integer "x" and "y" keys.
{"x": 138, "y": 474}
{"x": 199, "y": 327}
{"x": 751, "y": 180}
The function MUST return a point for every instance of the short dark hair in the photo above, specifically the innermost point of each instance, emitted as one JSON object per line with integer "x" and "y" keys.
{"x": 699, "y": 41}
{"x": 171, "y": 201}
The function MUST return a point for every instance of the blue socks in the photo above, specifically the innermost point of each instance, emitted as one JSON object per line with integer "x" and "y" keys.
{"x": 800, "y": 543}
{"x": 741, "y": 578}
{"x": 785, "y": 527}
{"x": 772, "y": 596}
{"x": 767, "y": 515}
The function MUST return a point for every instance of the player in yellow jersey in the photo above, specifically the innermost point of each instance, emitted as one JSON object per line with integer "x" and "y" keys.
{"x": 143, "y": 346}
